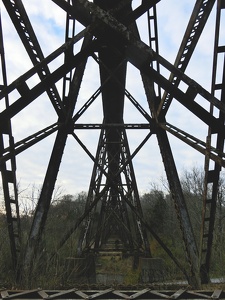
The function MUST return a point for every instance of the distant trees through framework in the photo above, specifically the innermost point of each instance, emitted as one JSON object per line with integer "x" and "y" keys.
{"x": 159, "y": 213}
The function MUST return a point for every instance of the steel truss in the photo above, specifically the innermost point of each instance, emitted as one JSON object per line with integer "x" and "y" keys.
{"x": 110, "y": 30}
{"x": 110, "y": 293}
{"x": 114, "y": 219}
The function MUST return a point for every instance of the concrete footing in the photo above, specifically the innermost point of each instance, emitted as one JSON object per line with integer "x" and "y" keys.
{"x": 83, "y": 270}
{"x": 152, "y": 270}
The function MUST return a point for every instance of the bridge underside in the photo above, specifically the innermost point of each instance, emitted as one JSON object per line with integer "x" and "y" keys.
{"x": 111, "y": 31}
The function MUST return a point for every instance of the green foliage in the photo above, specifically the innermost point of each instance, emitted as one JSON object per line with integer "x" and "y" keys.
{"x": 116, "y": 265}
{"x": 132, "y": 277}
{"x": 62, "y": 216}
{"x": 7, "y": 277}
{"x": 51, "y": 265}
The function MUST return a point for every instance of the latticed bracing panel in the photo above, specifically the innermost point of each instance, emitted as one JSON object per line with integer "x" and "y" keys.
{"x": 107, "y": 33}
{"x": 119, "y": 191}
{"x": 212, "y": 170}
{"x": 112, "y": 294}
{"x": 8, "y": 170}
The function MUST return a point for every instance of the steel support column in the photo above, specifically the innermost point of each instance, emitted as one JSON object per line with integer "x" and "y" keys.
{"x": 53, "y": 168}
{"x": 213, "y": 169}
{"x": 8, "y": 172}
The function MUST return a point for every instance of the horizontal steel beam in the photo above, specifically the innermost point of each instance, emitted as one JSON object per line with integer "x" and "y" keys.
{"x": 110, "y": 125}
{"x": 78, "y": 11}
{"x": 202, "y": 147}
{"x": 28, "y": 142}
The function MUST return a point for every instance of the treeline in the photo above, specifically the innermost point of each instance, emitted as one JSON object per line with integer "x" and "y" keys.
{"x": 159, "y": 212}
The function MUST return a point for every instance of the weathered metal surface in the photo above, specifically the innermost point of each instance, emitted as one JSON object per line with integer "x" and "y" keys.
{"x": 44, "y": 201}
{"x": 180, "y": 204}
{"x": 8, "y": 170}
{"x": 24, "y": 28}
{"x": 193, "y": 32}
{"x": 106, "y": 294}
{"x": 212, "y": 171}
{"x": 112, "y": 154}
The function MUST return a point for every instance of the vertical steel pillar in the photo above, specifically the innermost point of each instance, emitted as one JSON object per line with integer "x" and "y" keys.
{"x": 212, "y": 169}
{"x": 44, "y": 201}
{"x": 8, "y": 172}
{"x": 168, "y": 160}
{"x": 113, "y": 147}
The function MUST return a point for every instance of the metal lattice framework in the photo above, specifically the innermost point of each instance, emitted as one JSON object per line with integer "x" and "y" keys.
{"x": 111, "y": 37}
{"x": 112, "y": 294}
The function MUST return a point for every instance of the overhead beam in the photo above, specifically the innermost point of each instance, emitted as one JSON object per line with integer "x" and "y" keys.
{"x": 199, "y": 16}
{"x": 28, "y": 37}
{"x": 140, "y": 55}
{"x": 30, "y": 94}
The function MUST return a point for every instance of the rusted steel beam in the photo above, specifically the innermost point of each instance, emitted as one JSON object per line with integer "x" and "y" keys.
{"x": 77, "y": 10}
{"x": 29, "y": 95}
{"x": 19, "y": 82}
{"x": 44, "y": 201}
{"x": 180, "y": 205}
{"x": 176, "y": 189}
{"x": 29, "y": 141}
{"x": 215, "y": 154}
{"x": 140, "y": 55}
{"x": 27, "y": 35}
{"x": 91, "y": 203}
{"x": 213, "y": 171}
{"x": 8, "y": 172}
{"x": 192, "y": 34}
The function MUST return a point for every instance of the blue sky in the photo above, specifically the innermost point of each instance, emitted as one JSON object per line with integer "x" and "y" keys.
{"x": 48, "y": 21}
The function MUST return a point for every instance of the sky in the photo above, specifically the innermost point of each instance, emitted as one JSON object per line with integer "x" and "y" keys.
{"x": 48, "y": 21}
